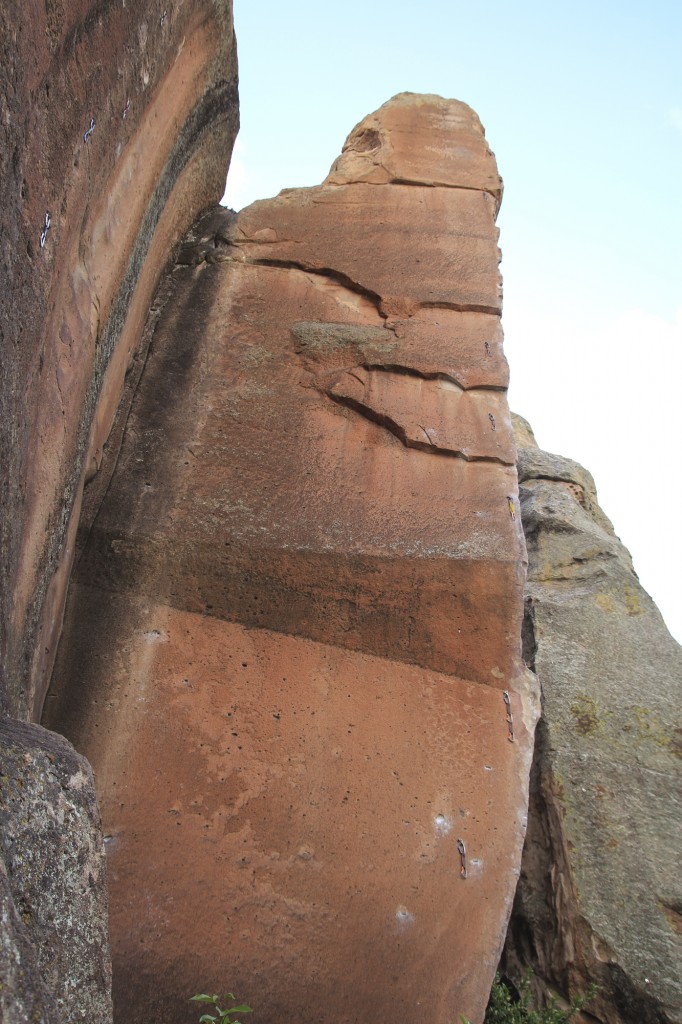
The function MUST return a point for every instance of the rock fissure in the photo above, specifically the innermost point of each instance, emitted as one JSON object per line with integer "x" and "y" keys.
{"x": 97, "y": 486}
{"x": 412, "y": 371}
{"x": 461, "y": 307}
{"x": 325, "y": 272}
{"x": 400, "y": 431}
{"x": 418, "y": 183}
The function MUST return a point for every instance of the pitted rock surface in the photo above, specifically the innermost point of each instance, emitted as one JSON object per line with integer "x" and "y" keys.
{"x": 300, "y": 604}
{"x": 600, "y": 895}
{"x": 55, "y": 963}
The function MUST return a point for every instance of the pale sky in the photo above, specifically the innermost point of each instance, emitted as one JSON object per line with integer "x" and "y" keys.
{"x": 582, "y": 105}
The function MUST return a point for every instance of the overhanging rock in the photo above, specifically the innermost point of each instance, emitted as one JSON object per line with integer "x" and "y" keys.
{"x": 118, "y": 121}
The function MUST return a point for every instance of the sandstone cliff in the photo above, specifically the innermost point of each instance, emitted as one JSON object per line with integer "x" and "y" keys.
{"x": 117, "y": 125}
{"x": 293, "y": 640}
{"x": 297, "y": 616}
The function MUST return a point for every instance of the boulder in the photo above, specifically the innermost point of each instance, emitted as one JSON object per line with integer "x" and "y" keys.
{"x": 292, "y": 646}
{"x": 55, "y": 964}
{"x": 600, "y": 895}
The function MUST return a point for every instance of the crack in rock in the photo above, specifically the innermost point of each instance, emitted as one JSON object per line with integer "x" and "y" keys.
{"x": 412, "y": 407}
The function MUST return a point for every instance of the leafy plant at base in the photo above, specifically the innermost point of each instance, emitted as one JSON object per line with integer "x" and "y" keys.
{"x": 220, "y": 1016}
{"x": 504, "y": 1009}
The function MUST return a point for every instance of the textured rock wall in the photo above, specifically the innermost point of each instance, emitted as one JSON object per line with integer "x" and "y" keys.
{"x": 600, "y": 895}
{"x": 116, "y": 126}
{"x": 116, "y": 123}
{"x": 54, "y": 947}
{"x": 297, "y": 615}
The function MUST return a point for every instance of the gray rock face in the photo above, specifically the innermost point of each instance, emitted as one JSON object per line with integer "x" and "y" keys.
{"x": 23, "y": 996}
{"x": 600, "y": 896}
{"x": 54, "y": 948}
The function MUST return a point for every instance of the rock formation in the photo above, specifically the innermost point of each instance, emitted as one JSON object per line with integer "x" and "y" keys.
{"x": 293, "y": 637}
{"x": 600, "y": 895}
{"x": 297, "y": 614}
{"x": 54, "y": 947}
{"x": 116, "y": 126}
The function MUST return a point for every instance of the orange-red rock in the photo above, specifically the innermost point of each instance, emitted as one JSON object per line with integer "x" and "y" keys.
{"x": 381, "y": 149}
{"x": 118, "y": 122}
{"x": 300, "y": 605}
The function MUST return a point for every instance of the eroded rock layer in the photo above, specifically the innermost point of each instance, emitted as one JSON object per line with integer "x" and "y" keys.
{"x": 116, "y": 126}
{"x": 600, "y": 896}
{"x": 292, "y": 648}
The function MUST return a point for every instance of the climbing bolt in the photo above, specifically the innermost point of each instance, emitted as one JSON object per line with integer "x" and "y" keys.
{"x": 462, "y": 850}
{"x": 46, "y": 228}
{"x": 510, "y": 718}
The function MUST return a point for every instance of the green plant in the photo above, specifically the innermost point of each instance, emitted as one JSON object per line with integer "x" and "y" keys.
{"x": 220, "y": 1016}
{"x": 503, "y": 1008}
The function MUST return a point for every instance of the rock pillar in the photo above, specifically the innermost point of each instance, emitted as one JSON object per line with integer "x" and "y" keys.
{"x": 292, "y": 650}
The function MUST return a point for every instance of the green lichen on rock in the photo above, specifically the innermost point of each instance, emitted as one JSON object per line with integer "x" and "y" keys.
{"x": 600, "y": 894}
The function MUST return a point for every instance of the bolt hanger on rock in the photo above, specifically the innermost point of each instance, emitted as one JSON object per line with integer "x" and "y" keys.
{"x": 46, "y": 228}
{"x": 462, "y": 850}
{"x": 88, "y": 132}
{"x": 510, "y": 718}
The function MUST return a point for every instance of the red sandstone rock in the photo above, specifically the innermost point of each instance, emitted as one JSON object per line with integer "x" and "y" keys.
{"x": 300, "y": 604}
{"x": 440, "y": 243}
{"x": 381, "y": 148}
{"x": 158, "y": 87}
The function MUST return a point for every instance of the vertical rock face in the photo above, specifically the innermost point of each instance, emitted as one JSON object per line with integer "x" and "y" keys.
{"x": 54, "y": 948}
{"x": 116, "y": 125}
{"x": 292, "y": 646}
{"x": 600, "y": 896}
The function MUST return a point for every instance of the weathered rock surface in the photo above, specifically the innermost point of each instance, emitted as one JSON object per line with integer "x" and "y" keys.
{"x": 54, "y": 950}
{"x": 298, "y": 610}
{"x": 116, "y": 126}
{"x": 600, "y": 895}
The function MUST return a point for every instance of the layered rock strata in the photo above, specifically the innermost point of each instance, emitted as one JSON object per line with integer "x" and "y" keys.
{"x": 292, "y": 647}
{"x": 600, "y": 895}
{"x": 116, "y": 123}
{"x": 54, "y": 948}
